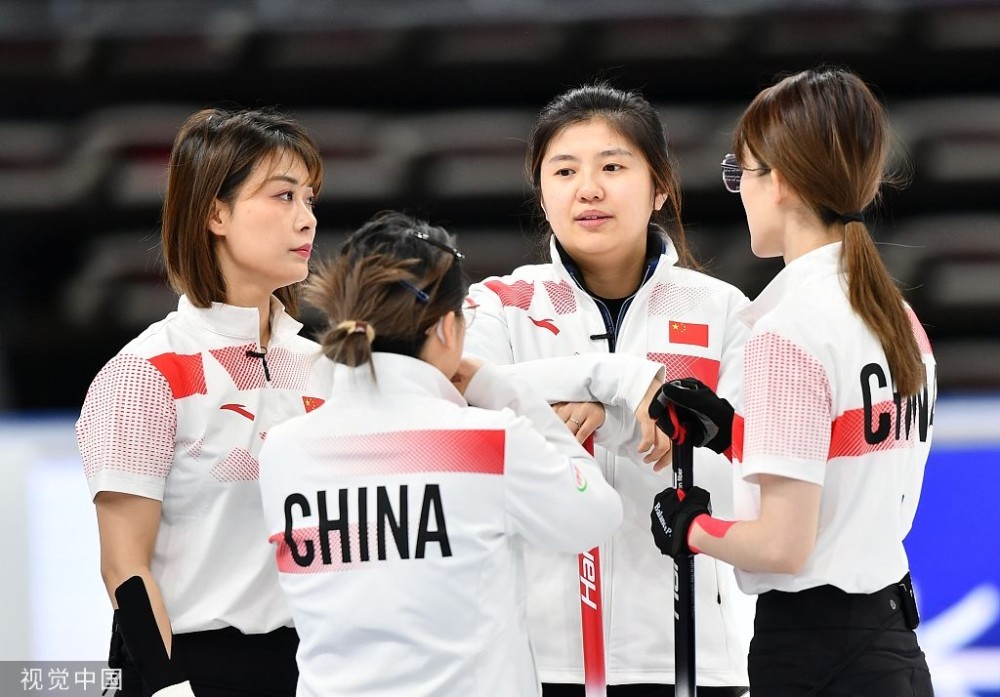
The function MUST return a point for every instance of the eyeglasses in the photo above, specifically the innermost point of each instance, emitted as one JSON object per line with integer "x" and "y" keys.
{"x": 469, "y": 307}
{"x": 440, "y": 245}
{"x": 732, "y": 172}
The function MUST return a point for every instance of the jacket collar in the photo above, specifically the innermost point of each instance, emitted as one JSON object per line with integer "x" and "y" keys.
{"x": 399, "y": 375}
{"x": 660, "y": 250}
{"x": 819, "y": 263}
{"x": 240, "y": 322}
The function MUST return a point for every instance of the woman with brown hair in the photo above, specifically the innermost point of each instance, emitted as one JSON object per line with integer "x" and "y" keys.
{"x": 172, "y": 425}
{"x": 839, "y": 396}
{"x": 399, "y": 509}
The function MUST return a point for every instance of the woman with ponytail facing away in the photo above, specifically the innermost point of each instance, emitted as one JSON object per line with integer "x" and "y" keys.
{"x": 839, "y": 393}
{"x": 398, "y": 514}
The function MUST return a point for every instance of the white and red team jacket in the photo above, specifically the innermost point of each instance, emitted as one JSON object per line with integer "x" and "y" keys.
{"x": 180, "y": 415}
{"x": 686, "y": 321}
{"x": 821, "y": 407}
{"x": 398, "y": 513}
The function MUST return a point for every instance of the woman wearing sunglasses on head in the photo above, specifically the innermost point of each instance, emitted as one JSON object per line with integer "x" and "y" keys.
{"x": 399, "y": 514}
{"x": 621, "y": 280}
{"x": 839, "y": 394}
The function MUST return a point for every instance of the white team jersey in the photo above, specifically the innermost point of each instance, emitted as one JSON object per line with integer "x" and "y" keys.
{"x": 821, "y": 407}
{"x": 179, "y": 415}
{"x": 398, "y": 513}
{"x": 685, "y": 321}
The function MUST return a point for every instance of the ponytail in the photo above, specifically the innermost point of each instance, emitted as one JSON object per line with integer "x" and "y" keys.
{"x": 350, "y": 343}
{"x": 875, "y": 297}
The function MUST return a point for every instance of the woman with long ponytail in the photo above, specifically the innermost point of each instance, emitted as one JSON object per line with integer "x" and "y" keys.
{"x": 839, "y": 393}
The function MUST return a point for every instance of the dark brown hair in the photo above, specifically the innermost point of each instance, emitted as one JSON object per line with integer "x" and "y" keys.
{"x": 214, "y": 153}
{"x": 396, "y": 274}
{"x": 630, "y": 115}
{"x": 828, "y": 135}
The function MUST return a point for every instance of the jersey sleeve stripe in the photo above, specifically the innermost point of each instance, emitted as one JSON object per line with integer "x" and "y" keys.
{"x": 678, "y": 365}
{"x": 403, "y": 452}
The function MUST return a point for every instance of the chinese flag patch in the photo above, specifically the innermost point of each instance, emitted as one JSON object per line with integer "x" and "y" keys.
{"x": 689, "y": 333}
{"x": 311, "y": 403}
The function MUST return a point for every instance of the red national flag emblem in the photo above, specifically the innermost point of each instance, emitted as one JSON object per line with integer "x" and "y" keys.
{"x": 689, "y": 333}
{"x": 311, "y": 403}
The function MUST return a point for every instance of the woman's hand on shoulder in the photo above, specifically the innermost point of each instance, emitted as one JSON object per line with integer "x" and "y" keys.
{"x": 467, "y": 368}
{"x": 581, "y": 418}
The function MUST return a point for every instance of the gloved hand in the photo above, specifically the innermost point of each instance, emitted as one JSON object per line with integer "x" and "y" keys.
{"x": 688, "y": 411}
{"x": 671, "y": 517}
{"x": 135, "y": 621}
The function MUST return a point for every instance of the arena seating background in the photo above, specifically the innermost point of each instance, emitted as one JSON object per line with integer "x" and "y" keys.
{"x": 425, "y": 106}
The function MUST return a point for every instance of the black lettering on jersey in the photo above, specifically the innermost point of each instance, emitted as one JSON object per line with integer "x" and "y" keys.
{"x": 914, "y": 410}
{"x": 432, "y": 500}
{"x": 326, "y": 525}
{"x": 399, "y": 526}
{"x": 882, "y": 432}
{"x": 363, "y": 523}
{"x": 925, "y": 412}
{"x": 392, "y": 524}
{"x": 303, "y": 503}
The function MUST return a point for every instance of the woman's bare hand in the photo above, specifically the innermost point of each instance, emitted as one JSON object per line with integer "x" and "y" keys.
{"x": 655, "y": 446}
{"x": 467, "y": 367}
{"x": 581, "y": 418}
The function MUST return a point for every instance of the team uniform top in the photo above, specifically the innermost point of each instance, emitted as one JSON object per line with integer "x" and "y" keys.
{"x": 179, "y": 415}
{"x": 821, "y": 407}
{"x": 399, "y": 515}
{"x": 685, "y": 321}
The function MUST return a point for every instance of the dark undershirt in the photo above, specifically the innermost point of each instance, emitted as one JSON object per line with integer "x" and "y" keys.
{"x": 614, "y": 305}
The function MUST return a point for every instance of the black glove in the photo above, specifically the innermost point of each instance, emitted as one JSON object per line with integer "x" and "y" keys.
{"x": 137, "y": 625}
{"x": 671, "y": 518}
{"x": 688, "y": 411}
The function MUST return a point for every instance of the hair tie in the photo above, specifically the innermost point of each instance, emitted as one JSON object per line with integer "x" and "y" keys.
{"x": 846, "y": 218}
{"x": 356, "y": 326}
